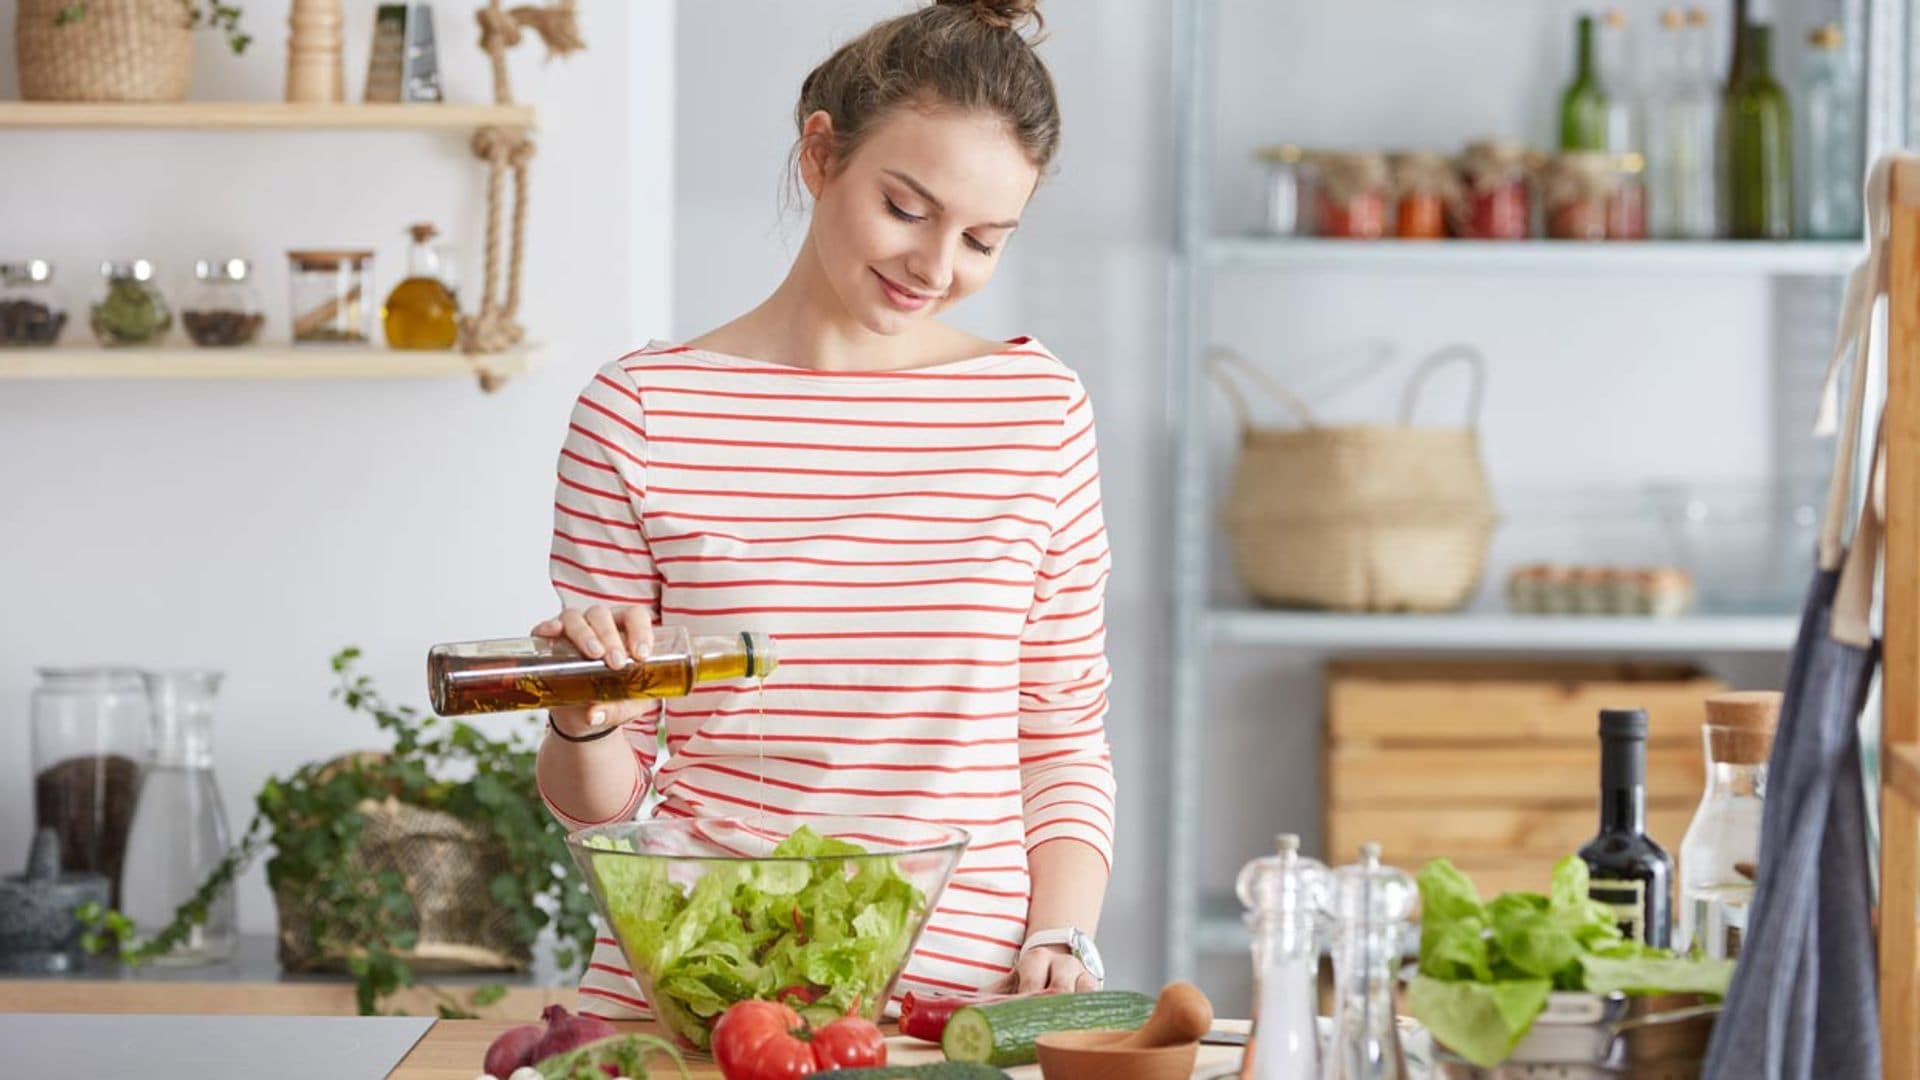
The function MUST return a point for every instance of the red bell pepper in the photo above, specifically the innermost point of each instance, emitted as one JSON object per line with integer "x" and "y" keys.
{"x": 925, "y": 1016}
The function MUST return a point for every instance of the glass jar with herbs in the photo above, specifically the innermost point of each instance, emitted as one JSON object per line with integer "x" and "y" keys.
{"x": 1498, "y": 200}
{"x": 31, "y": 312}
{"x": 1424, "y": 187}
{"x": 332, "y": 294}
{"x": 222, "y": 309}
{"x": 1577, "y": 188}
{"x": 1350, "y": 195}
{"x": 131, "y": 310}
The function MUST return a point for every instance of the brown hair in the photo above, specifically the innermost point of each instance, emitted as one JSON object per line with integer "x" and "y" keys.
{"x": 963, "y": 54}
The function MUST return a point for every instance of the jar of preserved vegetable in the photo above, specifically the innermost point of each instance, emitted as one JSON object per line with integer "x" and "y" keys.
{"x": 1627, "y": 204}
{"x": 333, "y": 299}
{"x": 222, "y": 309}
{"x": 1350, "y": 195}
{"x": 1424, "y": 187}
{"x": 1285, "y": 209}
{"x": 1577, "y": 187}
{"x": 31, "y": 312}
{"x": 1498, "y": 204}
{"x": 130, "y": 310}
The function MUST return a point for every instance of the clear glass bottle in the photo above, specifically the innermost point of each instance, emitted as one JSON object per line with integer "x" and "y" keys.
{"x": 1682, "y": 143}
{"x": 180, "y": 825}
{"x": 222, "y": 309}
{"x": 131, "y": 310}
{"x": 1370, "y": 905}
{"x": 1723, "y": 840}
{"x": 1830, "y": 143}
{"x": 514, "y": 674}
{"x": 92, "y": 730}
{"x": 421, "y": 312}
{"x": 1284, "y": 895}
{"x": 1285, "y": 207}
{"x": 1621, "y": 80}
{"x": 31, "y": 311}
{"x": 1758, "y": 126}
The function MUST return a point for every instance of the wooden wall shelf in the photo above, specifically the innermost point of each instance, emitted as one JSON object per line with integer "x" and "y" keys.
{"x": 272, "y": 361}
{"x": 258, "y": 116}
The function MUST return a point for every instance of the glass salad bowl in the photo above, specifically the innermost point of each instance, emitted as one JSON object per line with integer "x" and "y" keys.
{"x": 818, "y": 912}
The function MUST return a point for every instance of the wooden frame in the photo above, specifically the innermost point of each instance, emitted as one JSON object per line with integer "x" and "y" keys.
{"x": 1900, "y": 739}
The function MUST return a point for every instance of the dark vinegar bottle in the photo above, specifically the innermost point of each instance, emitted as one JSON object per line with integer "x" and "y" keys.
{"x": 1627, "y": 871}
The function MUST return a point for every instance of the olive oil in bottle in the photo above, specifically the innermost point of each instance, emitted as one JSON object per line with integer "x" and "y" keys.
{"x": 515, "y": 674}
{"x": 421, "y": 312}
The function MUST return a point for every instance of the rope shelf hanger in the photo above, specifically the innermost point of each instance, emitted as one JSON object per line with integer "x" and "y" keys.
{"x": 495, "y": 327}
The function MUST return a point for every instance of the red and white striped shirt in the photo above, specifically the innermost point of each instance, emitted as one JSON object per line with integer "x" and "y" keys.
{"x": 927, "y": 549}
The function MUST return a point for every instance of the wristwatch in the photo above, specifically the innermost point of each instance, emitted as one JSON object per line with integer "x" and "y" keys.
{"x": 1077, "y": 941}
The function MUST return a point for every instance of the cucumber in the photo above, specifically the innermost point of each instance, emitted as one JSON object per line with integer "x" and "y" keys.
{"x": 1002, "y": 1034}
{"x": 939, "y": 1070}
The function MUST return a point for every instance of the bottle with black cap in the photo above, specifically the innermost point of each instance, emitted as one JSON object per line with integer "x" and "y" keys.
{"x": 1627, "y": 871}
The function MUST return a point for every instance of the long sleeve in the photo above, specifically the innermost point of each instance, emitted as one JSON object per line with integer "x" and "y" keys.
{"x": 600, "y": 553}
{"x": 1066, "y": 770}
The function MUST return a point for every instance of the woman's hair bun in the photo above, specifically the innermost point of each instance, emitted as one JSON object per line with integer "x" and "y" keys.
{"x": 1001, "y": 14}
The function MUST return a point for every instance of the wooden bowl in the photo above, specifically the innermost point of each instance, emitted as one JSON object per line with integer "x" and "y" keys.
{"x": 1092, "y": 1055}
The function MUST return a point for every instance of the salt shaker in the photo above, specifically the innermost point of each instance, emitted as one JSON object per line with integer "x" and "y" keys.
{"x": 1370, "y": 903}
{"x": 1284, "y": 895}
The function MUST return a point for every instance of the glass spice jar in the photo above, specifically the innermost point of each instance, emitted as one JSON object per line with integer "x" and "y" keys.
{"x": 1577, "y": 187}
{"x": 91, "y": 736}
{"x": 222, "y": 309}
{"x": 1498, "y": 204}
{"x": 332, "y": 294}
{"x": 1424, "y": 187}
{"x": 1350, "y": 195}
{"x": 1627, "y": 204}
{"x": 1286, "y": 211}
{"x": 31, "y": 312}
{"x": 131, "y": 310}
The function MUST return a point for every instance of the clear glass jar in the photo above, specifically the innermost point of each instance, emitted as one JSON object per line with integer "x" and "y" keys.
{"x": 1830, "y": 144}
{"x": 91, "y": 733}
{"x": 332, "y": 295}
{"x": 1284, "y": 895}
{"x": 1498, "y": 199}
{"x": 131, "y": 310}
{"x": 180, "y": 832}
{"x": 31, "y": 311}
{"x": 222, "y": 309}
{"x": 1350, "y": 195}
{"x": 1722, "y": 842}
{"x": 1286, "y": 210}
{"x": 1576, "y": 188}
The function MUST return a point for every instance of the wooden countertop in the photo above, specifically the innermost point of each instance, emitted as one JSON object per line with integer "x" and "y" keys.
{"x": 454, "y": 1050}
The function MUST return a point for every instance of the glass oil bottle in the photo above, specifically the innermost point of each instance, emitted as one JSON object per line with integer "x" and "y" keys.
{"x": 421, "y": 312}
{"x": 515, "y": 674}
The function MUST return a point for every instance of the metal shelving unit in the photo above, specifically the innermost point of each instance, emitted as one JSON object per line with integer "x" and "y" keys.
{"x": 1807, "y": 279}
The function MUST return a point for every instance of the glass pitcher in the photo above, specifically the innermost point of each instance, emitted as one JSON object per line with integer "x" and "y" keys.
{"x": 180, "y": 825}
{"x": 1284, "y": 894}
{"x": 91, "y": 734}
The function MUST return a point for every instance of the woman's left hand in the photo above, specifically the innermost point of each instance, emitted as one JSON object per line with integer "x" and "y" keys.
{"x": 1050, "y": 969}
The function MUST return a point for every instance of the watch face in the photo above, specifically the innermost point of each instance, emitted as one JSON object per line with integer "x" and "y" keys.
{"x": 1083, "y": 948}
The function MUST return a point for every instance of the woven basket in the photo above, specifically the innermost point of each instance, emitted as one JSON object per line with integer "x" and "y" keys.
{"x": 1358, "y": 518}
{"x": 116, "y": 50}
{"x": 449, "y": 866}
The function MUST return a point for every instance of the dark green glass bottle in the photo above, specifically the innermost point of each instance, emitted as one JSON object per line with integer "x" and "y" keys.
{"x": 1759, "y": 143}
{"x": 1583, "y": 107}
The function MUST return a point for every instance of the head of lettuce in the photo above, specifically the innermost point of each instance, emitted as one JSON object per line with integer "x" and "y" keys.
{"x": 1486, "y": 969}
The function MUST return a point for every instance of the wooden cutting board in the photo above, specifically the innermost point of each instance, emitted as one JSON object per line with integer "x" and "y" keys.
{"x": 454, "y": 1050}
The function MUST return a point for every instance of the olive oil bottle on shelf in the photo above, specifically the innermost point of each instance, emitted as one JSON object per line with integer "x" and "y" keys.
{"x": 421, "y": 312}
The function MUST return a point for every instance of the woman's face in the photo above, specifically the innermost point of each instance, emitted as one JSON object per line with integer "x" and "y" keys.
{"x": 917, "y": 217}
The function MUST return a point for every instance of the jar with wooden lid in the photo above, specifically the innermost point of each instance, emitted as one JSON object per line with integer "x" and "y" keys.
{"x": 332, "y": 296}
{"x": 1718, "y": 855}
{"x": 1350, "y": 195}
{"x": 1576, "y": 188}
{"x": 1424, "y": 188}
{"x": 1498, "y": 199}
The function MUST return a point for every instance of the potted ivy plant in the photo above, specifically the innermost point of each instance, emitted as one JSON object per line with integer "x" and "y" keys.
{"x": 434, "y": 855}
{"x": 114, "y": 50}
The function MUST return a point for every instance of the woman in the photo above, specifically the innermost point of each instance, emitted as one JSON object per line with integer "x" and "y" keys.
{"x": 912, "y": 512}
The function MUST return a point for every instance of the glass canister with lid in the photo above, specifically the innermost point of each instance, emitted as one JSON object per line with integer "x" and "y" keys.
{"x": 31, "y": 311}
{"x": 223, "y": 308}
{"x": 332, "y": 294}
{"x": 131, "y": 309}
{"x": 91, "y": 739}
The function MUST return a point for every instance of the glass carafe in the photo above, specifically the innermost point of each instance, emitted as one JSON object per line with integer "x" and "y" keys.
{"x": 1284, "y": 895}
{"x": 180, "y": 825}
{"x": 91, "y": 734}
{"x": 1370, "y": 904}
{"x": 1718, "y": 853}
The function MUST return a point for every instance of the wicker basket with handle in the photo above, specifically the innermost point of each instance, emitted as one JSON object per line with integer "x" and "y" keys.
{"x": 1358, "y": 517}
{"x": 104, "y": 50}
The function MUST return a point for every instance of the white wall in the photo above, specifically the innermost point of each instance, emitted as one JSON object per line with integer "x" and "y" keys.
{"x": 255, "y": 527}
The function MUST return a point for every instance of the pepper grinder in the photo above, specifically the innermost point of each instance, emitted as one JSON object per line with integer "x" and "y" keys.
{"x": 1370, "y": 904}
{"x": 1284, "y": 894}
{"x": 314, "y": 71}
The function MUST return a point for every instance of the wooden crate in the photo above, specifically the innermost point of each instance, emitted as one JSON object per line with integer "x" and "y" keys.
{"x": 1496, "y": 765}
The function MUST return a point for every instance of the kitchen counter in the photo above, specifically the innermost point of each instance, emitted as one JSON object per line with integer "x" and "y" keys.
{"x": 454, "y": 1050}
{"x": 252, "y": 983}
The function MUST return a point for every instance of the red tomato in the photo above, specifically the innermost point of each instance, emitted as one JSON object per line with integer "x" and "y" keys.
{"x": 850, "y": 1042}
{"x": 758, "y": 1040}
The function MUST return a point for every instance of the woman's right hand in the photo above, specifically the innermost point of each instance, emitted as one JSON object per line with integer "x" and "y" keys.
{"x": 617, "y": 635}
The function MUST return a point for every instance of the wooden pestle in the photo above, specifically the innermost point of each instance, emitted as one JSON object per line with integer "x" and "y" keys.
{"x": 1182, "y": 1015}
